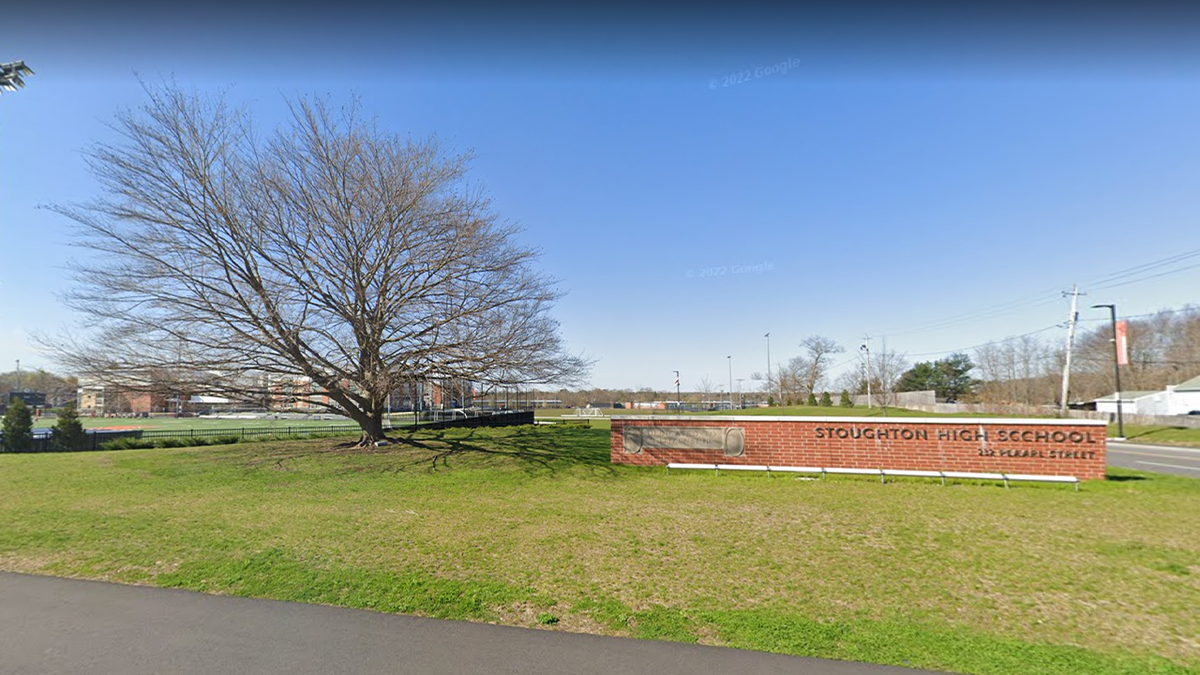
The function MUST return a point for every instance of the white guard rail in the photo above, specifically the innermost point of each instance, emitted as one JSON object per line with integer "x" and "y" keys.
{"x": 882, "y": 473}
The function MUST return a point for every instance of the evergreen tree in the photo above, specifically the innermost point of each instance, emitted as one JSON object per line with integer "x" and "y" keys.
{"x": 812, "y": 399}
{"x": 68, "y": 433}
{"x": 846, "y": 402}
{"x": 947, "y": 377}
{"x": 18, "y": 427}
{"x": 826, "y": 401}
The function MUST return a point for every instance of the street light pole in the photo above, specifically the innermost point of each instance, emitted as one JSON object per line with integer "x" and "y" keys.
{"x": 730, "y": 359}
{"x": 1112, "y": 312}
{"x": 678, "y": 400}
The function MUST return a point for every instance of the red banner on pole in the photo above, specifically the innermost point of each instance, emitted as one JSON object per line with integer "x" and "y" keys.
{"x": 1122, "y": 343}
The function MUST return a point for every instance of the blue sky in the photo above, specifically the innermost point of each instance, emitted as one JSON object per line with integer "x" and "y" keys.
{"x": 907, "y": 169}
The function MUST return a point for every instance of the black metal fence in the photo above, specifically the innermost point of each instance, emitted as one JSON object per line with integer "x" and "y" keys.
{"x": 97, "y": 439}
{"x": 502, "y": 418}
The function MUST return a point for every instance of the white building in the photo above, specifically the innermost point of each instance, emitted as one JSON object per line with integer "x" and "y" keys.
{"x": 1179, "y": 399}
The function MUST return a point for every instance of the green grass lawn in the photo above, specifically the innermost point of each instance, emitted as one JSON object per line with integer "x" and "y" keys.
{"x": 857, "y": 411}
{"x": 556, "y": 414}
{"x": 1163, "y": 435}
{"x": 533, "y": 526}
{"x": 806, "y": 410}
{"x": 828, "y": 411}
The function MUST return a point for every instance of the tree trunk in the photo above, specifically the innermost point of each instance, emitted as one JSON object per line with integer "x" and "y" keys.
{"x": 372, "y": 428}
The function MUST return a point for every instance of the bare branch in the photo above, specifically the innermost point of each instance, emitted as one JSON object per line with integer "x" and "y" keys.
{"x": 330, "y": 251}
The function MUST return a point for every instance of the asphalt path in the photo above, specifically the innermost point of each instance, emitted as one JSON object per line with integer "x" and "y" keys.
{"x": 50, "y": 625}
{"x": 1160, "y": 458}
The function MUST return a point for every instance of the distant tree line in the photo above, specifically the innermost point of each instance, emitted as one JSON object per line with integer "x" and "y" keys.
{"x": 1164, "y": 348}
{"x": 58, "y": 390}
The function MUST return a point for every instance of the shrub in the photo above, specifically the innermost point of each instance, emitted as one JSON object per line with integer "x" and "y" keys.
{"x": 68, "y": 433}
{"x": 812, "y": 399}
{"x": 127, "y": 443}
{"x": 846, "y": 402}
{"x": 826, "y": 400}
{"x": 18, "y": 427}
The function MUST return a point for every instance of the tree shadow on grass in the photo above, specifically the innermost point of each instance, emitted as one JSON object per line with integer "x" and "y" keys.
{"x": 532, "y": 448}
{"x": 528, "y": 448}
{"x": 1118, "y": 478}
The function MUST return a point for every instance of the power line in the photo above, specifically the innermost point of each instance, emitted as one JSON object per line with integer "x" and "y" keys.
{"x": 1041, "y": 330}
{"x": 1097, "y": 282}
{"x": 1152, "y": 276}
{"x": 1145, "y": 267}
{"x": 990, "y": 342}
{"x": 1041, "y": 298}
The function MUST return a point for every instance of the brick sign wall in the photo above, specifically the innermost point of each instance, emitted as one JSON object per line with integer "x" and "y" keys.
{"x": 1048, "y": 447}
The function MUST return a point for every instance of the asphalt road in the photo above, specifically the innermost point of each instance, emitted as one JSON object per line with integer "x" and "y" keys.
{"x": 50, "y": 625}
{"x": 1160, "y": 458}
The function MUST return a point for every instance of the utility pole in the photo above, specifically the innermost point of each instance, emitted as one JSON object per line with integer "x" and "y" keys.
{"x": 1071, "y": 322}
{"x": 865, "y": 348}
{"x": 19, "y": 375}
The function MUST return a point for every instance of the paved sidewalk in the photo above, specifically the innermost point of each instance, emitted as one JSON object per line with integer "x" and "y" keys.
{"x": 57, "y": 626}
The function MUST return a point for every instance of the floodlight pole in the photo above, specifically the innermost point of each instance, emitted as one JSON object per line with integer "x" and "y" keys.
{"x": 1112, "y": 312}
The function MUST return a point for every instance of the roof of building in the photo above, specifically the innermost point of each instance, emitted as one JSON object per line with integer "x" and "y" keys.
{"x": 1189, "y": 385}
{"x": 1128, "y": 395}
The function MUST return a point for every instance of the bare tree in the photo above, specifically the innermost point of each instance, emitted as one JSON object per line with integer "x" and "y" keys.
{"x": 705, "y": 387}
{"x": 807, "y": 373}
{"x": 886, "y": 369}
{"x": 791, "y": 379}
{"x": 330, "y": 251}
{"x": 1022, "y": 370}
{"x": 1164, "y": 348}
{"x": 818, "y": 352}
{"x": 851, "y": 381}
